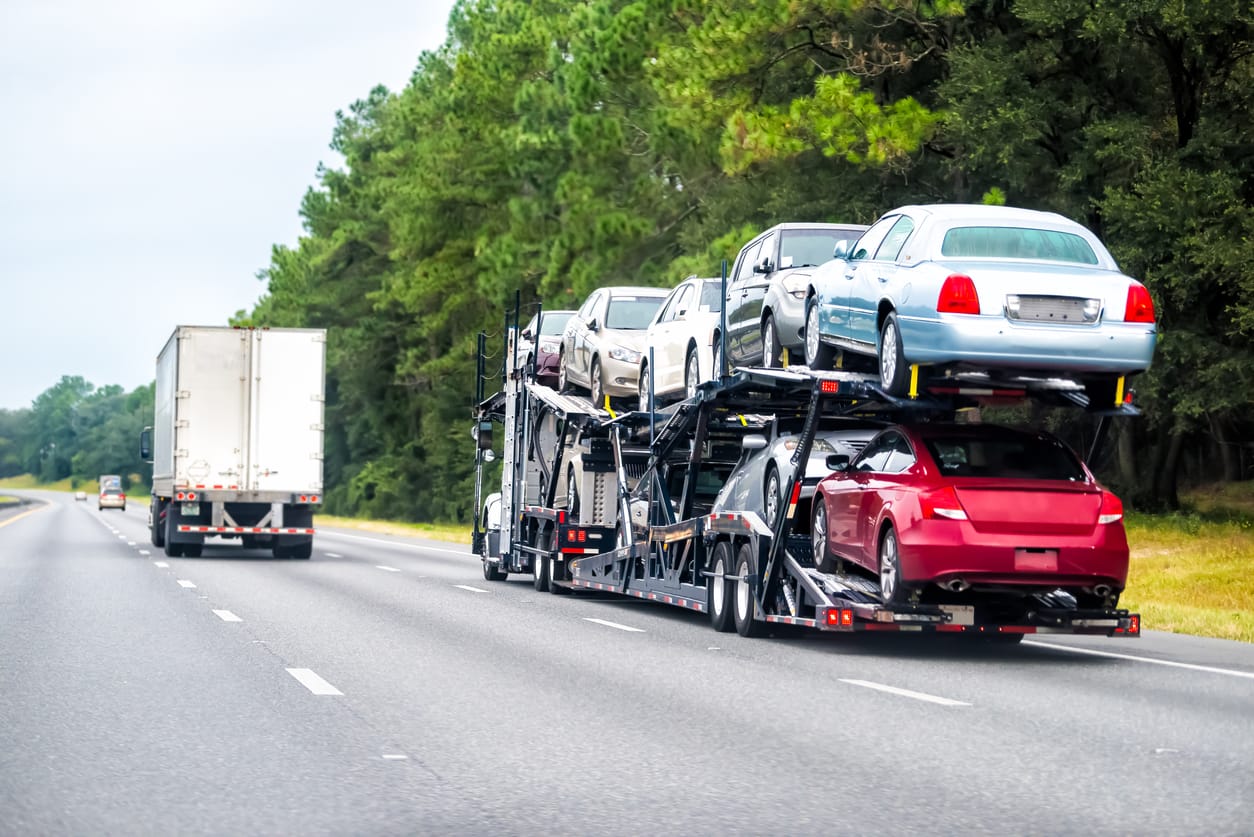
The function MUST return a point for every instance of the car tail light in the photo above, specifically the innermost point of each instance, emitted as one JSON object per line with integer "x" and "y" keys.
{"x": 1112, "y": 508}
{"x": 943, "y": 504}
{"x": 958, "y": 296}
{"x": 1140, "y": 308}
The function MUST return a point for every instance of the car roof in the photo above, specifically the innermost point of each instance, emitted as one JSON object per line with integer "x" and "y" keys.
{"x": 982, "y": 212}
{"x": 632, "y": 290}
{"x": 815, "y": 225}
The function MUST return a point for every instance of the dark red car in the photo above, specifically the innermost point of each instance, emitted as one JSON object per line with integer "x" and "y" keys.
{"x": 956, "y": 507}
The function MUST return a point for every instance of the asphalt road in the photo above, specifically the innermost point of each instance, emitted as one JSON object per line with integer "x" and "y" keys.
{"x": 384, "y": 687}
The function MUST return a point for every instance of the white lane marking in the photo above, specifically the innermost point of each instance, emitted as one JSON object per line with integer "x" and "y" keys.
{"x": 471, "y": 589}
{"x": 395, "y": 756}
{"x": 185, "y": 583}
{"x": 1191, "y": 666}
{"x": 893, "y": 690}
{"x": 614, "y": 625}
{"x": 144, "y": 552}
{"x": 313, "y": 682}
{"x": 227, "y": 616}
{"x": 463, "y": 552}
{"x": 386, "y": 568}
{"x": 334, "y": 555}
{"x": 130, "y": 543}
{"x": 162, "y": 564}
{"x": 121, "y": 537}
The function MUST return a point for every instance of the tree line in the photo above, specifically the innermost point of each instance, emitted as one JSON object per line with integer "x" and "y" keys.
{"x": 548, "y": 148}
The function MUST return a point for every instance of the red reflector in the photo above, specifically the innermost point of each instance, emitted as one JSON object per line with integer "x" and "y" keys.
{"x": 1140, "y": 308}
{"x": 846, "y": 618}
{"x": 583, "y": 536}
{"x": 1134, "y": 625}
{"x": 561, "y": 516}
{"x": 796, "y": 493}
{"x": 313, "y": 498}
{"x": 829, "y": 387}
{"x": 570, "y": 536}
{"x": 303, "y": 498}
{"x": 178, "y": 496}
{"x": 958, "y": 296}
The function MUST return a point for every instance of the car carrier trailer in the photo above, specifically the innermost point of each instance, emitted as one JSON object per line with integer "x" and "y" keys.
{"x": 651, "y": 535}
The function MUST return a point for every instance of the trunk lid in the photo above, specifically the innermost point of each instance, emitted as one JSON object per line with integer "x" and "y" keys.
{"x": 1030, "y": 507}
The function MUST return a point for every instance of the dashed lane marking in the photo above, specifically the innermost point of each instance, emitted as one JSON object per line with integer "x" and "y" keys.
{"x": 893, "y": 690}
{"x": 471, "y": 589}
{"x": 386, "y": 568}
{"x": 609, "y": 624}
{"x": 162, "y": 564}
{"x": 188, "y": 584}
{"x": 313, "y": 682}
{"x": 334, "y": 555}
{"x": 227, "y": 616}
{"x": 1249, "y": 675}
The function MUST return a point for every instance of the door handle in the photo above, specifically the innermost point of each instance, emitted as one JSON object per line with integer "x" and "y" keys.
{"x": 883, "y": 280}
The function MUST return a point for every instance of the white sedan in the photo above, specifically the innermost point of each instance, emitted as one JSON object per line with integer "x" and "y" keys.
{"x": 683, "y": 340}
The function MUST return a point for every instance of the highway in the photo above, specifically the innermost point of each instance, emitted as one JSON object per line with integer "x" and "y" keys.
{"x": 383, "y": 687}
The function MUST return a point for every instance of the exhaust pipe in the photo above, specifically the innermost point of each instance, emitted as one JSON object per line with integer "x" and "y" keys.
{"x": 1103, "y": 590}
{"x": 956, "y": 585}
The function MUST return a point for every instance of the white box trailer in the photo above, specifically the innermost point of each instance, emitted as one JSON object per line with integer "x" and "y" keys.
{"x": 236, "y": 442}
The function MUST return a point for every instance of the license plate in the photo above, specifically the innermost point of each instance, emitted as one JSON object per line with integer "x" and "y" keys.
{"x": 191, "y": 509}
{"x": 1036, "y": 560}
{"x": 960, "y": 614}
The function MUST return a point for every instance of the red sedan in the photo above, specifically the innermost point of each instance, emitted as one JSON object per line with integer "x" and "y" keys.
{"x": 973, "y": 507}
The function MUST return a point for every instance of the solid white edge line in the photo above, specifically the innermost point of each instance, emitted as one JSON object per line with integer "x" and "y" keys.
{"x": 465, "y": 551}
{"x": 471, "y": 589}
{"x": 313, "y": 682}
{"x": 1114, "y": 655}
{"x": 609, "y": 624}
{"x": 893, "y": 690}
{"x": 227, "y": 616}
{"x": 190, "y": 585}
{"x": 386, "y": 568}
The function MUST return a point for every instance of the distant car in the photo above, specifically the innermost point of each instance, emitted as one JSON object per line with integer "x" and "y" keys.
{"x": 684, "y": 337}
{"x": 604, "y": 340}
{"x": 80, "y": 495}
{"x": 757, "y": 482}
{"x": 111, "y": 498}
{"x": 766, "y": 290}
{"x": 1016, "y": 292}
{"x": 936, "y": 508}
{"x": 541, "y": 350}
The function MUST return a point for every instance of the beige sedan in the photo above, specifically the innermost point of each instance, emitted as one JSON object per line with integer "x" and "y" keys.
{"x": 604, "y": 341}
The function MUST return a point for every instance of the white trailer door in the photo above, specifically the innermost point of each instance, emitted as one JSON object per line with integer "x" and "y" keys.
{"x": 287, "y": 394}
{"x": 211, "y": 407}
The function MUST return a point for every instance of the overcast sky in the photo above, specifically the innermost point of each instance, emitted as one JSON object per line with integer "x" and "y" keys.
{"x": 152, "y": 152}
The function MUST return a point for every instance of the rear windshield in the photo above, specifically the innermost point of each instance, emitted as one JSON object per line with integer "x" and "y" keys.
{"x": 1017, "y": 243}
{"x": 552, "y": 324}
{"x": 630, "y": 312}
{"x": 1010, "y": 457}
{"x": 712, "y": 296}
{"x": 801, "y": 248}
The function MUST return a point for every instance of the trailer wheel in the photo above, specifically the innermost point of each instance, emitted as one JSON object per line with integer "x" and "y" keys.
{"x": 172, "y": 549}
{"x": 157, "y": 529}
{"x": 746, "y": 625}
{"x": 492, "y": 572}
{"x": 540, "y": 564}
{"x": 192, "y": 550}
{"x": 892, "y": 589}
{"x": 719, "y": 591}
{"x": 823, "y": 558}
{"x": 553, "y": 573}
{"x": 300, "y": 551}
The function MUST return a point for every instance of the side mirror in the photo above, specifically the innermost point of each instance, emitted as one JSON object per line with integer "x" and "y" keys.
{"x": 838, "y": 461}
{"x": 145, "y": 444}
{"x": 526, "y": 335}
{"x": 752, "y": 442}
{"x": 842, "y": 250}
{"x": 482, "y": 432}
{"x": 763, "y": 266}
{"x": 593, "y": 325}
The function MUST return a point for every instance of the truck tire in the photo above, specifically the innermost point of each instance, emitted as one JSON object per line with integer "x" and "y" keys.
{"x": 746, "y": 625}
{"x": 157, "y": 528}
{"x": 192, "y": 550}
{"x": 172, "y": 549}
{"x": 553, "y": 573}
{"x": 301, "y": 551}
{"x": 492, "y": 572}
{"x": 540, "y": 565}
{"x": 719, "y": 590}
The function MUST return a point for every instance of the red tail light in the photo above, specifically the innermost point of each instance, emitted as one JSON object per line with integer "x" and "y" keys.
{"x": 958, "y": 296}
{"x": 1112, "y": 508}
{"x": 1140, "y": 308}
{"x": 942, "y": 504}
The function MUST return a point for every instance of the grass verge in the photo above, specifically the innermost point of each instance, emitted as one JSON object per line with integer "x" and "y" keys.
{"x": 452, "y": 532}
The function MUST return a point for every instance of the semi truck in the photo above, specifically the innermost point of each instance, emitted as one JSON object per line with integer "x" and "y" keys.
{"x": 236, "y": 444}
{"x": 653, "y": 532}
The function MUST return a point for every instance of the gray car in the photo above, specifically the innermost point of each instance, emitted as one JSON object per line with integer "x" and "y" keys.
{"x": 766, "y": 290}
{"x": 757, "y": 482}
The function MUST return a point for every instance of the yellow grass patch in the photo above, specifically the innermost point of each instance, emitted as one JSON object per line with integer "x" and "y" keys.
{"x": 453, "y": 532}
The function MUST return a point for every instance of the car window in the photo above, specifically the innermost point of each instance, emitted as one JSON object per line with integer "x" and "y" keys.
{"x": 768, "y": 251}
{"x": 585, "y": 310}
{"x": 871, "y": 239}
{"x": 809, "y": 248}
{"x": 895, "y": 240}
{"x": 683, "y": 302}
{"x": 1021, "y": 456}
{"x": 631, "y": 312}
{"x": 667, "y": 312}
{"x": 875, "y": 455}
{"x": 554, "y": 323}
{"x": 744, "y": 270}
{"x": 1017, "y": 243}
{"x": 902, "y": 455}
{"x": 712, "y": 296}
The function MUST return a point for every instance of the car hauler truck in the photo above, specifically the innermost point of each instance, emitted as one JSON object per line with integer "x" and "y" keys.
{"x": 236, "y": 444}
{"x": 664, "y": 542}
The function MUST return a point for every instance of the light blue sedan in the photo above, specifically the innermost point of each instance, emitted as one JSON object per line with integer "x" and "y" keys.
{"x": 1013, "y": 293}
